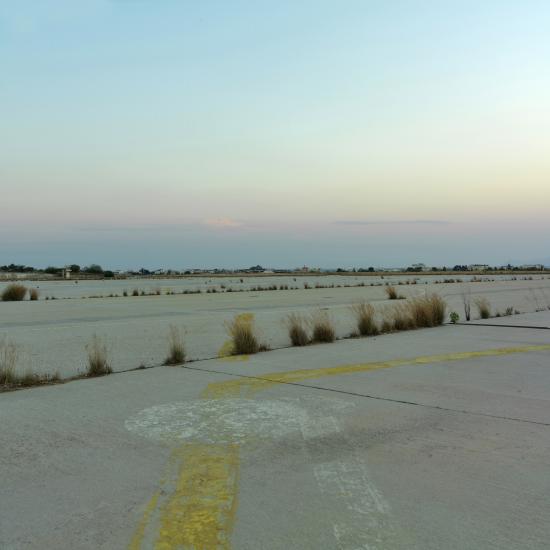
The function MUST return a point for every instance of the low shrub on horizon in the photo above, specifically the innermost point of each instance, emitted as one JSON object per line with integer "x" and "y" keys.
{"x": 14, "y": 293}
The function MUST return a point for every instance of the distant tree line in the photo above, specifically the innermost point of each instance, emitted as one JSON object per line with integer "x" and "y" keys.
{"x": 92, "y": 269}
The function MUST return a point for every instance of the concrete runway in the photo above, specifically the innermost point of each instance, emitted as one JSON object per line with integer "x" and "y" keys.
{"x": 52, "y": 335}
{"x": 430, "y": 439}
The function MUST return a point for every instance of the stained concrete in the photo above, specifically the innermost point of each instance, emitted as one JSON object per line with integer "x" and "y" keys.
{"x": 52, "y": 335}
{"x": 439, "y": 439}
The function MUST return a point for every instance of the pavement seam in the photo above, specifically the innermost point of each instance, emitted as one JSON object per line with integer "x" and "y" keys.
{"x": 368, "y": 396}
{"x": 496, "y": 325}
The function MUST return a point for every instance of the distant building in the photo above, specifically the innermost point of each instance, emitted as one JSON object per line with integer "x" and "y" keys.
{"x": 531, "y": 267}
{"x": 478, "y": 267}
{"x": 66, "y": 272}
{"x": 418, "y": 267}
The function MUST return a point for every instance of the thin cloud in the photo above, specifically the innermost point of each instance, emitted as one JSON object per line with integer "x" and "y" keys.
{"x": 392, "y": 222}
{"x": 222, "y": 223}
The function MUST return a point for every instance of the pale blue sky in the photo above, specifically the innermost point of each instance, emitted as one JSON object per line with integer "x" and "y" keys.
{"x": 174, "y": 133}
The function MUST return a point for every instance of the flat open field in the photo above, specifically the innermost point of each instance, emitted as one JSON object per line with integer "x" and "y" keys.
{"x": 435, "y": 439}
{"x": 52, "y": 335}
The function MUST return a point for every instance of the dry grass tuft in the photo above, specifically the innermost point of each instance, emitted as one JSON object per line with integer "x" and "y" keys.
{"x": 176, "y": 355}
{"x": 322, "y": 327}
{"x": 364, "y": 316}
{"x": 10, "y": 379}
{"x": 391, "y": 292}
{"x": 427, "y": 311}
{"x": 401, "y": 318}
{"x": 98, "y": 364}
{"x": 483, "y": 307}
{"x": 14, "y": 293}
{"x": 9, "y": 355}
{"x": 242, "y": 332}
{"x": 33, "y": 294}
{"x": 297, "y": 330}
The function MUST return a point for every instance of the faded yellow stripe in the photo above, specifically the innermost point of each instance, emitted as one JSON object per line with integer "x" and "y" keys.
{"x": 200, "y": 512}
{"x": 249, "y": 386}
{"x": 142, "y": 526}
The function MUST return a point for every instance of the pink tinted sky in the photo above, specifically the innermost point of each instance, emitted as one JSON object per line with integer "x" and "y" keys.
{"x": 147, "y": 133}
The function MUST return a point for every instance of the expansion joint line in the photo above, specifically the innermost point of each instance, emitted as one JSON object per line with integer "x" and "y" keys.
{"x": 368, "y": 396}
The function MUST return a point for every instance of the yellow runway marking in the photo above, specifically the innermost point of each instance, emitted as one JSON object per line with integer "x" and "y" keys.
{"x": 198, "y": 512}
{"x": 195, "y": 507}
{"x": 248, "y": 386}
{"x": 140, "y": 531}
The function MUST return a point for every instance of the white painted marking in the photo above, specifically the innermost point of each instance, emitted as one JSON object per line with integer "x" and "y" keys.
{"x": 232, "y": 420}
{"x": 313, "y": 427}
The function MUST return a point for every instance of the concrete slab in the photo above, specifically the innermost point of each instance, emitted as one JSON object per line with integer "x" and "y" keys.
{"x": 432, "y": 439}
{"x": 52, "y": 335}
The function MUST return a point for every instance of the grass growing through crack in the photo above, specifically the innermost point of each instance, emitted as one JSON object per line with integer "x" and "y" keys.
{"x": 297, "y": 330}
{"x": 10, "y": 378}
{"x": 364, "y": 317}
{"x": 242, "y": 333}
{"x": 176, "y": 346}
{"x": 98, "y": 363}
{"x": 8, "y": 361}
{"x": 401, "y": 318}
{"x": 322, "y": 327}
{"x": 426, "y": 311}
{"x": 483, "y": 307}
{"x": 14, "y": 293}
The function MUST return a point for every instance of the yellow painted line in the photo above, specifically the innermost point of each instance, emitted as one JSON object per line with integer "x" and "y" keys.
{"x": 199, "y": 514}
{"x": 196, "y": 505}
{"x": 247, "y": 386}
{"x": 142, "y": 526}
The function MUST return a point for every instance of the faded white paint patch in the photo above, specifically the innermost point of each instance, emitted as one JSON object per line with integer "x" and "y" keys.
{"x": 313, "y": 427}
{"x": 230, "y": 420}
{"x": 363, "y": 520}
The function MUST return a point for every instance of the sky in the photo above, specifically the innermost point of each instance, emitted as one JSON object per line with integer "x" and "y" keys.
{"x": 171, "y": 133}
